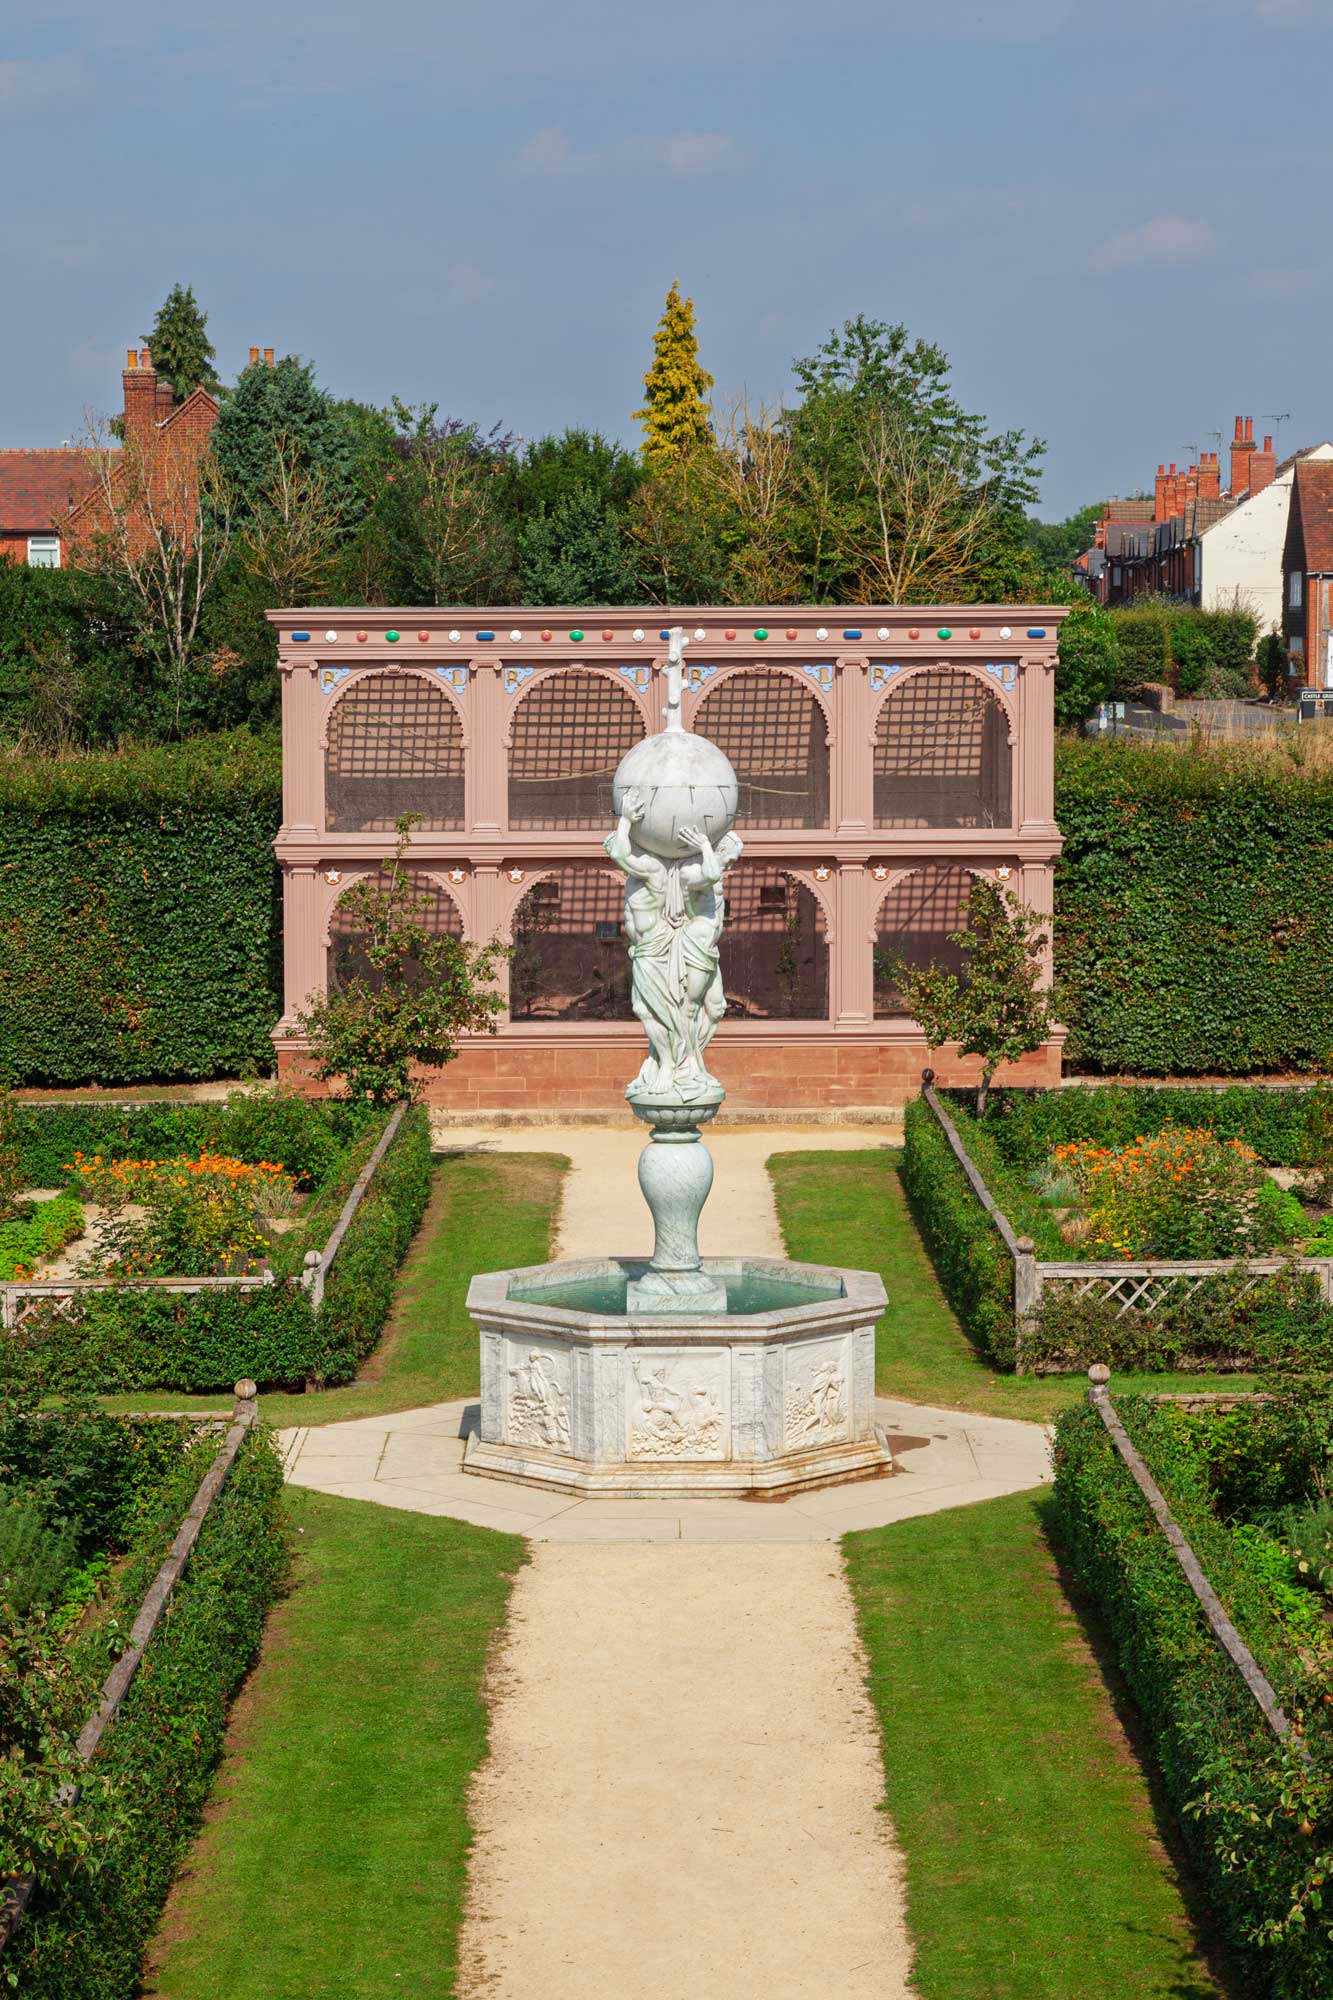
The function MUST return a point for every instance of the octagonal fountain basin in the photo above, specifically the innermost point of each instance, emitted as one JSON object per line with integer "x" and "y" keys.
{"x": 771, "y": 1397}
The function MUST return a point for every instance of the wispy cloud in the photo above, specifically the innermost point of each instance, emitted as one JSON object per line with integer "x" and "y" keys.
{"x": 1290, "y": 13}
{"x": 552, "y": 154}
{"x": 29, "y": 85}
{"x": 1167, "y": 239}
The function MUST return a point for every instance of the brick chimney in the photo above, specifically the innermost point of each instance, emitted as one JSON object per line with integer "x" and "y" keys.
{"x": 1263, "y": 467}
{"x": 1242, "y": 446}
{"x": 1210, "y": 476}
{"x": 140, "y": 383}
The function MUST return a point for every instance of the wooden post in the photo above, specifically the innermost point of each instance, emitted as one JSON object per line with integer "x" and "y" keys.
{"x": 1027, "y": 1296}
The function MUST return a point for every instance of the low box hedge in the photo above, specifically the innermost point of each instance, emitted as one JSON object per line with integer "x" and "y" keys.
{"x": 974, "y": 1266}
{"x": 85, "y": 1932}
{"x": 130, "y": 1337}
{"x": 1206, "y": 1731}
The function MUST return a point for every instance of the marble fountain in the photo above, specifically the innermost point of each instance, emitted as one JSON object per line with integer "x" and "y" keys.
{"x": 644, "y": 1377}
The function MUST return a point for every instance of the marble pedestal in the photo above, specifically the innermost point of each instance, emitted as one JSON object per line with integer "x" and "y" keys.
{"x": 645, "y": 1405}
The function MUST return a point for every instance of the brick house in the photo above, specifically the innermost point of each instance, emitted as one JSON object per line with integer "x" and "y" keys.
{"x": 1307, "y": 574}
{"x": 49, "y": 500}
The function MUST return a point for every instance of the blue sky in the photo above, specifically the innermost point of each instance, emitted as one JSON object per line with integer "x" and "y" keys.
{"x": 1117, "y": 225}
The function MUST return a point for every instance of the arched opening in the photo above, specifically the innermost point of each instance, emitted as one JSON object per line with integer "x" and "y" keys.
{"x": 773, "y": 731}
{"x": 569, "y": 960}
{"x": 916, "y": 919}
{"x": 570, "y": 731}
{"x": 774, "y": 947}
{"x": 942, "y": 755}
{"x": 395, "y": 746}
{"x": 434, "y": 909}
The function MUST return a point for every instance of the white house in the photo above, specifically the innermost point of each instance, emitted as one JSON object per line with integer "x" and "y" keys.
{"x": 1239, "y": 557}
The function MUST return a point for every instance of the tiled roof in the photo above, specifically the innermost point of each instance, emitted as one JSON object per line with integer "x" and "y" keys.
{"x": 1140, "y": 510}
{"x": 36, "y": 488}
{"x": 1313, "y": 510}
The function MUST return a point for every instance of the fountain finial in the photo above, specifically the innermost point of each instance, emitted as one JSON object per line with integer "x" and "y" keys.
{"x": 676, "y": 644}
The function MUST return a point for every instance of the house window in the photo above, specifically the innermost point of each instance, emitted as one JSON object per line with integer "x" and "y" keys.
{"x": 1295, "y": 590}
{"x": 44, "y": 552}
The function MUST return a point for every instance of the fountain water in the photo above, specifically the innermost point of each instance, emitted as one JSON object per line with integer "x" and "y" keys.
{"x": 677, "y": 1374}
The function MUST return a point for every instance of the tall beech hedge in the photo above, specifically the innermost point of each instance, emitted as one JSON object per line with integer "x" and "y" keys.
{"x": 139, "y": 913}
{"x": 1194, "y": 910}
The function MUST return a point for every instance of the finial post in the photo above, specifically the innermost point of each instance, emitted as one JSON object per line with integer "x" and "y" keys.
{"x": 676, "y": 644}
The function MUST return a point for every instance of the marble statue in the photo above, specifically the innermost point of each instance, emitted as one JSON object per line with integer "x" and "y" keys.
{"x": 676, "y": 796}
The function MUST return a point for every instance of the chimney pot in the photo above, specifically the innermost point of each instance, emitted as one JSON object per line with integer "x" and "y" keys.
{"x": 145, "y": 358}
{"x": 1268, "y": 444}
{"x": 268, "y": 357}
{"x": 254, "y": 356}
{"x": 1160, "y": 470}
{"x": 1249, "y": 429}
{"x": 131, "y": 358}
{"x": 1240, "y": 429}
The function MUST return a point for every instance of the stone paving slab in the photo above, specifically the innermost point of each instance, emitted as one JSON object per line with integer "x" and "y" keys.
{"x": 415, "y": 1461}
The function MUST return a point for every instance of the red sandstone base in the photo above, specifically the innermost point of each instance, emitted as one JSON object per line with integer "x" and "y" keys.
{"x": 587, "y": 1068}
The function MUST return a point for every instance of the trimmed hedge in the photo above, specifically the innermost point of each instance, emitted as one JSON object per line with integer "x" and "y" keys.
{"x": 132, "y": 1338}
{"x": 1207, "y": 1732}
{"x": 140, "y": 920}
{"x": 84, "y": 1939}
{"x": 1287, "y": 1128}
{"x": 1228, "y": 1324}
{"x": 1193, "y": 910}
{"x": 974, "y": 1267}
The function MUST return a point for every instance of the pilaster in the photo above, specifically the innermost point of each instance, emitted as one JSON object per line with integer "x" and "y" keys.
{"x": 485, "y": 780}
{"x": 851, "y": 961}
{"x": 302, "y": 752}
{"x": 852, "y": 750}
{"x": 303, "y": 964}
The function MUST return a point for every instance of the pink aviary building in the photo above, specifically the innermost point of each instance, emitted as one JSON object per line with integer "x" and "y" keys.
{"x": 885, "y": 757}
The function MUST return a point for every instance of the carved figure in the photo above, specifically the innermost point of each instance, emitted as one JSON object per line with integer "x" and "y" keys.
{"x": 669, "y": 1422}
{"x": 539, "y": 1407}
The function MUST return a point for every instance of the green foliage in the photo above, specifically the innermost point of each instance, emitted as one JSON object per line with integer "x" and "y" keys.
{"x": 1145, "y": 655}
{"x": 578, "y": 552}
{"x": 85, "y": 1933}
{"x": 36, "y": 1552}
{"x": 992, "y": 1008}
{"x": 1089, "y": 667}
{"x": 181, "y": 349}
{"x": 1273, "y": 661}
{"x": 675, "y": 411}
{"x": 421, "y": 991}
{"x": 1194, "y": 909}
{"x": 360, "y": 1287}
{"x": 41, "y": 1235}
{"x": 138, "y": 913}
{"x": 283, "y": 401}
{"x": 973, "y": 1265}
{"x": 1286, "y": 1127}
{"x": 1230, "y": 1322}
{"x": 1060, "y": 543}
{"x": 1184, "y": 647}
{"x": 1246, "y": 1827}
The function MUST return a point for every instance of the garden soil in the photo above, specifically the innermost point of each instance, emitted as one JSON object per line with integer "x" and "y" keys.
{"x": 683, "y": 1793}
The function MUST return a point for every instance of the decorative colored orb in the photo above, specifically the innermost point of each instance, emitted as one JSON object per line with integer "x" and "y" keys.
{"x": 608, "y": 635}
{"x": 1036, "y": 631}
{"x": 423, "y": 637}
{"x": 392, "y": 638}
{"x": 851, "y": 632}
{"x": 761, "y": 631}
{"x": 363, "y": 635}
{"x": 638, "y": 632}
{"x": 330, "y": 636}
{"x": 485, "y": 635}
{"x": 576, "y": 634}
{"x": 730, "y": 632}
{"x": 300, "y": 637}
{"x": 1006, "y": 632}
{"x": 791, "y": 631}
{"x": 455, "y": 636}
{"x": 975, "y": 632}
{"x": 883, "y": 632}
{"x": 547, "y": 637}
{"x": 700, "y": 632}
{"x": 914, "y": 633}
{"x": 945, "y": 632}
{"x": 515, "y": 635}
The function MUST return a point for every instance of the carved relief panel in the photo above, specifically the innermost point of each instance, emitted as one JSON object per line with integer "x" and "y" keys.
{"x": 817, "y": 1395}
{"x": 677, "y": 1405}
{"x": 537, "y": 1394}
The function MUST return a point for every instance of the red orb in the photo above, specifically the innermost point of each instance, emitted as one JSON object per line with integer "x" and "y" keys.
{"x": 546, "y": 635}
{"x": 423, "y": 636}
{"x": 975, "y": 633}
{"x": 791, "y": 631}
{"x": 730, "y": 632}
{"x": 361, "y": 635}
{"x": 608, "y": 635}
{"x": 914, "y": 633}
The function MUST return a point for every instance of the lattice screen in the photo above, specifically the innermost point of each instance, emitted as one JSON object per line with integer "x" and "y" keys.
{"x": 941, "y": 755}
{"x": 569, "y": 734}
{"x": 774, "y": 947}
{"x": 438, "y": 913}
{"x": 395, "y": 746}
{"x": 915, "y": 920}
{"x": 773, "y": 731}
{"x": 569, "y": 960}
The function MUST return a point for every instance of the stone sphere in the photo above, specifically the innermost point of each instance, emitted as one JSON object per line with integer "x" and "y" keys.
{"x": 685, "y": 781}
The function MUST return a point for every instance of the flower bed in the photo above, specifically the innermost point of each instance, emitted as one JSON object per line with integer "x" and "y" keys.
{"x": 1238, "y": 1484}
{"x": 108, "y": 1495}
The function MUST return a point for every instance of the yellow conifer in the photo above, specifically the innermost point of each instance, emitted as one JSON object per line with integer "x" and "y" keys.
{"x": 675, "y": 415}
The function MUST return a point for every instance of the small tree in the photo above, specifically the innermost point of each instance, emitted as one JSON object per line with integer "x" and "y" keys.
{"x": 180, "y": 346}
{"x": 421, "y": 993}
{"x": 993, "y": 1008}
{"x": 675, "y": 414}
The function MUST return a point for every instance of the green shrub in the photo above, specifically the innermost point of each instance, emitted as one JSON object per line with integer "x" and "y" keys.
{"x": 1229, "y": 1323}
{"x": 974, "y": 1267}
{"x": 1193, "y": 909}
{"x": 1209, "y": 1737}
{"x": 360, "y": 1285}
{"x": 139, "y": 913}
{"x": 36, "y": 1552}
{"x": 84, "y": 1936}
{"x": 40, "y": 1235}
{"x": 1286, "y": 1128}
{"x": 1142, "y": 637}
{"x": 1088, "y": 669}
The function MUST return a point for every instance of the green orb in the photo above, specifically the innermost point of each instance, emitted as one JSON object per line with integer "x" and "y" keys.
{"x": 391, "y": 637}
{"x": 761, "y": 631}
{"x": 945, "y": 632}
{"x": 576, "y": 634}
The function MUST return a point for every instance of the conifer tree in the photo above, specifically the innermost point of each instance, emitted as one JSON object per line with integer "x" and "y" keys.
{"x": 675, "y": 415}
{"x": 180, "y": 346}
